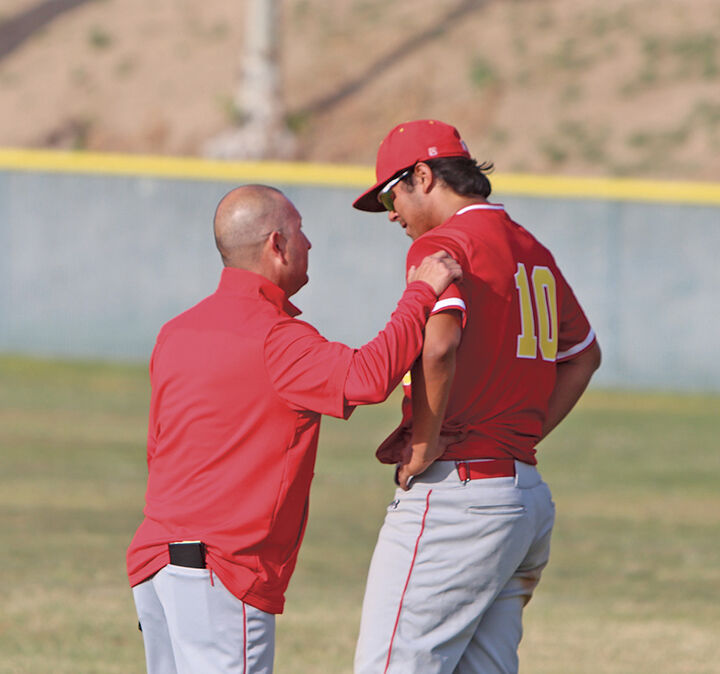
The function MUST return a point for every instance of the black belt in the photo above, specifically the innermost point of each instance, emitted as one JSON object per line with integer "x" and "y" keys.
{"x": 187, "y": 553}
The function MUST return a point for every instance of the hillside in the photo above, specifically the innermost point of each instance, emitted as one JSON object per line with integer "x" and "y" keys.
{"x": 586, "y": 87}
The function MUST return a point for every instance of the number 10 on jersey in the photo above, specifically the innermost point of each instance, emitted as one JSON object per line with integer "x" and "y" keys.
{"x": 537, "y": 301}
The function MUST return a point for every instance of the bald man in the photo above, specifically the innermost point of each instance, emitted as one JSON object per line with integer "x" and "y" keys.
{"x": 238, "y": 388}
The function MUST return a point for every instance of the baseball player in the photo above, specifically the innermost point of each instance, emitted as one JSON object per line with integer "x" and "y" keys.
{"x": 238, "y": 387}
{"x": 507, "y": 354}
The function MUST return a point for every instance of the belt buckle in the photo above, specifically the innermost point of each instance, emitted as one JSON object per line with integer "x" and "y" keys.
{"x": 463, "y": 471}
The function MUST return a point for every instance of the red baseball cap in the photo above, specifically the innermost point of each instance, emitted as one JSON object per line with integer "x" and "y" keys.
{"x": 405, "y": 146}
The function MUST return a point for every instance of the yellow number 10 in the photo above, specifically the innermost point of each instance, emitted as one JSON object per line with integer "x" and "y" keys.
{"x": 545, "y": 308}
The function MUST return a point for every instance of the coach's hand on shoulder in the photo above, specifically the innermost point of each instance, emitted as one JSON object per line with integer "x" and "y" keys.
{"x": 438, "y": 269}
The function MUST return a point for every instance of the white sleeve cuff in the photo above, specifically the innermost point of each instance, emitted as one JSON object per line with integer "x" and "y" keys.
{"x": 449, "y": 303}
{"x": 578, "y": 347}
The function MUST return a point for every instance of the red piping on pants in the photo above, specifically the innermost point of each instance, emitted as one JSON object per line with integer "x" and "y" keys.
{"x": 407, "y": 581}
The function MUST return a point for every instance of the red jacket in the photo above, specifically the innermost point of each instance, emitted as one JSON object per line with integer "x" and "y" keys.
{"x": 238, "y": 389}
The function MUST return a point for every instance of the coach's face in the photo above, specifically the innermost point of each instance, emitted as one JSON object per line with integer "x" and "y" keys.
{"x": 297, "y": 246}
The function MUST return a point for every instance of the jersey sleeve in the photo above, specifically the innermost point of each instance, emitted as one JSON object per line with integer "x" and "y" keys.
{"x": 574, "y": 331}
{"x": 453, "y": 297}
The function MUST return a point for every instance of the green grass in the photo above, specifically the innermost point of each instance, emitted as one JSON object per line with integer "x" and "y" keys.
{"x": 631, "y": 587}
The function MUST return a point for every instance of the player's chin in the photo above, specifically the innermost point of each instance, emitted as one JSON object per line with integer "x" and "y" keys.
{"x": 409, "y": 231}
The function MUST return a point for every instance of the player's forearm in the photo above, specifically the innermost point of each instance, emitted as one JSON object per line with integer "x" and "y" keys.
{"x": 572, "y": 379}
{"x": 431, "y": 382}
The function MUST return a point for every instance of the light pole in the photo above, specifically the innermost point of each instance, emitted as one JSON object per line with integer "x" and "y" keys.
{"x": 261, "y": 131}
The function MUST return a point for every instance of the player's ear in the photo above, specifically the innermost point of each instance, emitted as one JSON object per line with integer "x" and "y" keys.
{"x": 424, "y": 177}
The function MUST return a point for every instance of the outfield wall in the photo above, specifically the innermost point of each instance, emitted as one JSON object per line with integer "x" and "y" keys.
{"x": 97, "y": 251}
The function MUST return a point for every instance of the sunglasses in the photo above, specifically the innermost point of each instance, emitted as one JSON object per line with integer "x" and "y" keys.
{"x": 386, "y": 196}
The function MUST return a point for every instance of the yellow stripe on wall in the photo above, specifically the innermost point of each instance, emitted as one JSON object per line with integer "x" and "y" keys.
{"x": 340, "y": 175}
{"x": 182, "y": 167}
{"x": 622, "y": 189}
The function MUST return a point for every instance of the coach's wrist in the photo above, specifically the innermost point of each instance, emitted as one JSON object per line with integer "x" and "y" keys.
{"x": 422, "y": 286}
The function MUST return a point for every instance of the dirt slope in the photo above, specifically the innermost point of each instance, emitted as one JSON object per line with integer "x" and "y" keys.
{"x": 594, "y": 87}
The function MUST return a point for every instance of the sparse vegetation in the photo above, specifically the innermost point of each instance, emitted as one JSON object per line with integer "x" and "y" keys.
{"x": 218, "y": 31}
{"x": 80, "y": 77}
{"x": 233, "y": 114}
{"x": 574, "y": 138}
{"x": 572, "y": 93}
{"x": 125, "y": 66}
{"x": 545, "y": 20}
{"x": 529, "y": 67}
{"x": 366, "y": 10}
{"x": 7, "y": 78}
{"x": 72, "y": 134}
{"x": 483, "y": 73}
{"x": 499, "y": 136}
{"x": 670, "y": 59}
{"x": 553, "y": 152}
{"x": 301, "y": 8}
{"x": 657, "y": 145}
{"x": 570, "y": 56}
{"x": 297, "y": 122}
{"x": 697, "y": 55}
{"x": 99, "y": 38}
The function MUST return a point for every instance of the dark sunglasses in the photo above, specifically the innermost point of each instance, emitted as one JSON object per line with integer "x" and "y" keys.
{"x": 386, "y": 196}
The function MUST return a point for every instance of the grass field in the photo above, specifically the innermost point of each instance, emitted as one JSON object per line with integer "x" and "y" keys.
{"x": 633, "y": 585}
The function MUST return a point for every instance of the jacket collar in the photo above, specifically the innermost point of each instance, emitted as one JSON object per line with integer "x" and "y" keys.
{"x": 249, "y": 284}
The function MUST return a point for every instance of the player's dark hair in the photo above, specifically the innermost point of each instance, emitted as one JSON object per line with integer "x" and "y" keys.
{"x": 461, "y": 174}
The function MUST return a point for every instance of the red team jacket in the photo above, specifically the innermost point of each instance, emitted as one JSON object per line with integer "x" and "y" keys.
{"x": 238, "y": 388}
{"x": 520, "y": 319}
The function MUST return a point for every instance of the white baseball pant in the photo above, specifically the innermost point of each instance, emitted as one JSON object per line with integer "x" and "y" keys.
{"x": 191, "y": 623}
{"x": 454, "y": 565}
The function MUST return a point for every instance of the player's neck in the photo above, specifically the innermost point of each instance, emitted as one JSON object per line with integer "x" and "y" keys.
{"x": 453, "y": 202}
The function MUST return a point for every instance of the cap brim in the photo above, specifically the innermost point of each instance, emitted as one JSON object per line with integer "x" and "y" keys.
{"x": 368, "y": 201}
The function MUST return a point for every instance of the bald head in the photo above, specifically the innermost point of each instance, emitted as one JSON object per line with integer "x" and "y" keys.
{"x": 243, "y": 220}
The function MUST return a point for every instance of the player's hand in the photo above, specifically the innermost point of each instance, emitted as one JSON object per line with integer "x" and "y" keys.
{"x": 413, "y": 464}
{"x": 402, "y": 476}
{"x": 405, "y": 471}
{"x": 438, "y": 269}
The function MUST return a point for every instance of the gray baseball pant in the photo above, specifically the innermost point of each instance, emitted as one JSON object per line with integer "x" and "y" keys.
{"x": 191, "y": 623}
{"x": 454, "y": 565}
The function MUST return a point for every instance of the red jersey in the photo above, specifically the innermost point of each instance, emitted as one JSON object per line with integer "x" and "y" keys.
{"x": 520, "y": 318}
{"x": 238, "y": 389}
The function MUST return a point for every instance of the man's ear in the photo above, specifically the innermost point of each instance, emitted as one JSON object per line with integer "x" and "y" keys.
{"x": 424, "y": 176}
{"x": 276, "y": 243}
